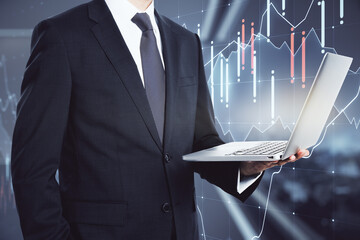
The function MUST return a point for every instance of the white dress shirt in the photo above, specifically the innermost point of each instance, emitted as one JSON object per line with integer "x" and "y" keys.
{"x": 123, "y": 11}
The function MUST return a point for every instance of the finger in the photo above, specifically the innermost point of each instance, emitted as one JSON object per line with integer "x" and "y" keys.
{"x": 269, "y": 163}
{"x": 262, "y": 166}
{"x": 297, "y": 155}
{"x": 284, "y": 162}
{"x": 307, "y": 153}
{"x": 289, "y": 160}
{"x": 302, "y": 153}
{"x": 300, "y": 156}
{"x": 276, "y": 163}
{"x": 280, "y": 163}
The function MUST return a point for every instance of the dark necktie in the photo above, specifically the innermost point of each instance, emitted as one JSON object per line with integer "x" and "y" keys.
{"x": 154, "y": 75}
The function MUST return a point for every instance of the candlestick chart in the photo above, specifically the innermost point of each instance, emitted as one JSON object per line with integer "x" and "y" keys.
{"x": 259, "y": 75}
{"x": 260, "y": 60}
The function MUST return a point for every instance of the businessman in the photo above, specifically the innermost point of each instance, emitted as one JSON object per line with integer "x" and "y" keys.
{"x": 113, "y": 95}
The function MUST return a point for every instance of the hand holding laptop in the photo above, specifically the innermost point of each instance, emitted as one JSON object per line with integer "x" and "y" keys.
{"x": 306, "y": 132}
{"x": 248, "y": 168}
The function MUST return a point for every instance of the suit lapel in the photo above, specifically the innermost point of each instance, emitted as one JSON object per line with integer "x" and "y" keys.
{"x": 114, "y": 46}
{"x": 170, "y": 55}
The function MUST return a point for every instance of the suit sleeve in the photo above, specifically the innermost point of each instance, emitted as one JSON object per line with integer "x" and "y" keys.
{"x": 42, "y": 114}
{"x": 223, "y": 175}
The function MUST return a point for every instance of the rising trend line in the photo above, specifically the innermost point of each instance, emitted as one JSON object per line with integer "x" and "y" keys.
{"x": 267, "y": 203}
{"x": 11, "y": 100}
{"x": 261, "y": 23}
{"x": 266, "y": 129}
{"x": 297, "y": 25}
{"x": 258, "y": 35}
{"x": 202, "y": 222}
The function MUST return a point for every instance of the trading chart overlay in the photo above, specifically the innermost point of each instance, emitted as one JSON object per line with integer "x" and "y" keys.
{"x": 260, "y": 59}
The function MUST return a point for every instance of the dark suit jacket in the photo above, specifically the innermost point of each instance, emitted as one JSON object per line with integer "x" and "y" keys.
{"x": 83, "y": 110}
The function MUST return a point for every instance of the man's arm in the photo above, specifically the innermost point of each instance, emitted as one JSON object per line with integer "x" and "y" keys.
{"x": 42, "y": 114}
{"x": 224, "y": 175}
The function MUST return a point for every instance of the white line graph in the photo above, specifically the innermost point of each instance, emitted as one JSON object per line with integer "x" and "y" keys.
{"x": 240, "y": 46}
{"x": 214, "y": 58}
{"x": 351, "y": 121}
{"x": 11, "y": 99}
{"x": 8, "y": 103}
{"x": 260, "y": 34}
{"x": 202, "y": 222}
{"x": 292, "y": 25}
{"x": 267, "y": 203}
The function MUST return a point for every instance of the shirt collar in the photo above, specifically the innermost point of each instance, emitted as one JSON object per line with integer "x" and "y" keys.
{"x": 125, "y": 11}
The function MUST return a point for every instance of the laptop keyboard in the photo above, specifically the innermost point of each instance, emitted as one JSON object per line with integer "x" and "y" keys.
{"x": 267, "y": 148}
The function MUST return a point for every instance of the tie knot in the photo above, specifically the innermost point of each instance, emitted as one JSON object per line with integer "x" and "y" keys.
{"x": 142, "y": 20}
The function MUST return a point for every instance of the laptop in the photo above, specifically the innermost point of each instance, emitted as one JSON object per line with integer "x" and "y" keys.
{"x": 308, "y": 127}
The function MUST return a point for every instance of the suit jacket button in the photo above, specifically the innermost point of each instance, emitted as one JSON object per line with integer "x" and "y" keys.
{"x": 166, "y": 207}
{"x": 167, "y": 158}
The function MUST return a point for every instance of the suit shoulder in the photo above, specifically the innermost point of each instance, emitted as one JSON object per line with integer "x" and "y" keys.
{"x": 72, "y": 15}
{"x": 178, "y": 29}
{"x": 70, "y": 20}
